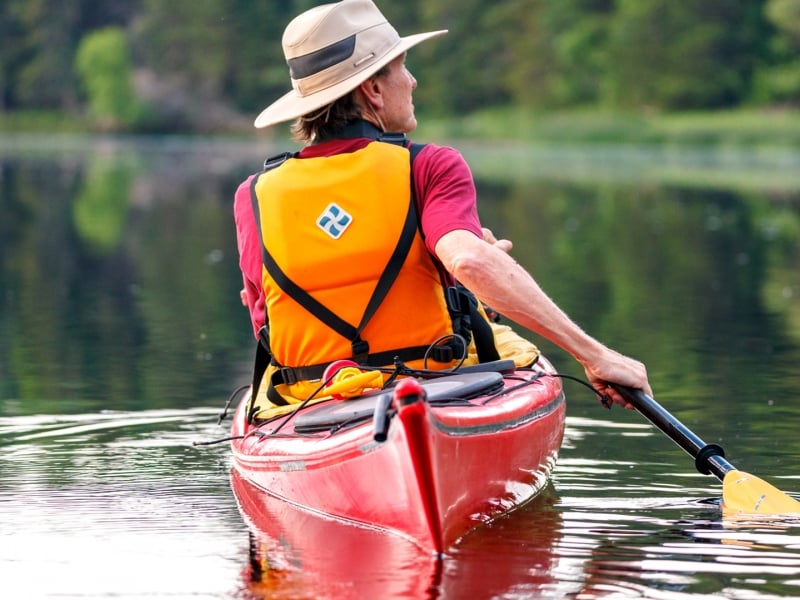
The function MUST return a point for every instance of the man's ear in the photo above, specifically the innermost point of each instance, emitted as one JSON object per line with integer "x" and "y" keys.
{"x": 372, "y": 91}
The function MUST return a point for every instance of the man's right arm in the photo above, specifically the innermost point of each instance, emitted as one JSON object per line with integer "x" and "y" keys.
{"x": 499, "y": 281}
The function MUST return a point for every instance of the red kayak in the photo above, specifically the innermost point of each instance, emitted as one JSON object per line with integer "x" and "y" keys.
{"x": 426, "y": 459}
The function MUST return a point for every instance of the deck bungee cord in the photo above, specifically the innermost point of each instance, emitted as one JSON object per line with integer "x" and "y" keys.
{"x": 224, "y": 413}
{"x": 384, "y": 411}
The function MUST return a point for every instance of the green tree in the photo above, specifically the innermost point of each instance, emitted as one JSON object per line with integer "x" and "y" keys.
{"x": 780, "y": 81}
{"x": 41, "y": 50}
{"x": 104, "y": 66}
{"x": 579, "y": 30}
{"x": 700, "y": 54}
{"x": 189, "y": 40}
{"x": 465, "y": 69}
{"x": 529, "y": 75}
{"x": 11, "y": 32}
{"x": 39, "y": 40}
{"x": 785, "y": 15}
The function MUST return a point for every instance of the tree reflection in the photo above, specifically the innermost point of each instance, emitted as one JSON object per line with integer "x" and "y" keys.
{"x": 120, "y": 283}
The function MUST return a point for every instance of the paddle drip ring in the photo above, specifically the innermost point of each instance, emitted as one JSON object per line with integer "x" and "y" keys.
{"x": 706, "y": 452}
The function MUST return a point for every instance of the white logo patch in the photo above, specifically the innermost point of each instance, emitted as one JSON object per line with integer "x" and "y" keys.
{"x": 334, "y": 220}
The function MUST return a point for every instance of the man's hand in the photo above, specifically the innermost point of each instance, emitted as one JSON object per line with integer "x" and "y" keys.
{"x": 611, "y": 367}
{"x": 488, "y": 236}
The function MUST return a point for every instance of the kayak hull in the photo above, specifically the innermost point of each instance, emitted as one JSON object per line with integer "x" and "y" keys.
{"x": 443, "y": 468}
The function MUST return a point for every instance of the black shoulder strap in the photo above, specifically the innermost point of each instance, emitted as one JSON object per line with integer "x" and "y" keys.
{"x": 480, "y": 328}
{"x": 263, "y": 354}
{"x": 276, "y": 161}
{"x": 260, "y": 365}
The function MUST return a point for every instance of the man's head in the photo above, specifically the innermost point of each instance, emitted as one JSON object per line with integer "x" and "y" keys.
{"x": 332, "y": 50}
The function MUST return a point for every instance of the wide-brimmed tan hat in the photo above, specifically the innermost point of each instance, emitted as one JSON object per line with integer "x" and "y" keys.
{"x": 330, "y": 50}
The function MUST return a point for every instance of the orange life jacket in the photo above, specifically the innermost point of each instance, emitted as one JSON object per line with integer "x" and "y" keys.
{"x": 346, "y": 271}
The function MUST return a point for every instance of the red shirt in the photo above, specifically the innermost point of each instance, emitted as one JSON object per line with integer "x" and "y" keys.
{"x": 446, "y": 201}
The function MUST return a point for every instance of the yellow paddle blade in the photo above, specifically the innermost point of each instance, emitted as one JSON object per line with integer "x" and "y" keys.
{"x": 745, "y": 494}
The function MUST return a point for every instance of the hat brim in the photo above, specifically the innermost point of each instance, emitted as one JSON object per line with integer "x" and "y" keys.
{"x": 291, "y": 105}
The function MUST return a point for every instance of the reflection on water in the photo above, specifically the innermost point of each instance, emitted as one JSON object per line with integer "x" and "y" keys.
{"x": 115, "y": 504}
{"x": 654, "y": 529}
{"x": 123, "y": 504}
{"x": 294, "y": 553}
{"x": 122, "y": 336}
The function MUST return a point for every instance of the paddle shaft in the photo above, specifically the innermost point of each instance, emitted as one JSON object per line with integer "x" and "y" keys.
{"x": 709, "y": 458}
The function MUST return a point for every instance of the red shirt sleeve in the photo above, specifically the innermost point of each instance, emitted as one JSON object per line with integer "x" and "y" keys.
{"x": 249, "y": 254}
{"x": 446, "y": 196}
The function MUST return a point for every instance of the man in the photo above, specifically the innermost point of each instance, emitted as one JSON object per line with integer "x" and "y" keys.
{"x": 317, "y": 230}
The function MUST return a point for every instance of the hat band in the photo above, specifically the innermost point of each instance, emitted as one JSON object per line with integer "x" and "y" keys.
{"x": 319, "y": 60}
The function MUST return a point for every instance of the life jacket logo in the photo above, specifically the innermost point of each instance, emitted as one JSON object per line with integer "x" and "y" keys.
{"x": 334, "y": 220}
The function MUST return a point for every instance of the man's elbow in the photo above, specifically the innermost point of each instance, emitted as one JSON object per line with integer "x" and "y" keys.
{"x": 467, "y": 268}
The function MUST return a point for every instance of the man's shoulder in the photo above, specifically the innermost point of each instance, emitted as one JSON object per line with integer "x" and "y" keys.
{"x": 437, "y": 150}
{"x": 244, "y": 186}
{"x": 436, "y": 158}
{"x": 241, "y": 199}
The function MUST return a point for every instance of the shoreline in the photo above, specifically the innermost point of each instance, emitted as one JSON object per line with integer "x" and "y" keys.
{"x": 739, "y": 128}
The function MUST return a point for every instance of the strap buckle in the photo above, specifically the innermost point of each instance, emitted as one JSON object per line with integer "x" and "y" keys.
{"x": 360, "y": 350}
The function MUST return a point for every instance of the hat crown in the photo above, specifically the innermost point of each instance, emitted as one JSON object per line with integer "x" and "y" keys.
{"x": 334, "y": 42}
{"x": 328, "y": 24}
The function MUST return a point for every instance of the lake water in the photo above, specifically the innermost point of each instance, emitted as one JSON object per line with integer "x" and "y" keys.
{"x": 122, "y": 336}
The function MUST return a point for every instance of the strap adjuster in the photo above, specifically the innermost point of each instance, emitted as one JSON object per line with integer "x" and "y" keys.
{"x": 442, "y": 354}
{"x": 263, "y": 336}
{"x": 288, "y": 375}
{"x": 276, "y": 161}
{"x": 453, "y": 299}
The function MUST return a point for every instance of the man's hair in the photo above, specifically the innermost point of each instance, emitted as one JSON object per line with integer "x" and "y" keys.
{"x": 327, "y": 119}
{"x": 330, "y": 118}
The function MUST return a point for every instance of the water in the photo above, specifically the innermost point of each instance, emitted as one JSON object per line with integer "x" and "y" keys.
{"x": 122, "y": 337}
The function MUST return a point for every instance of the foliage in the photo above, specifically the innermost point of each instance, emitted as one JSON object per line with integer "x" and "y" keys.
{"x": 532, "y": 55}
{"x": 40, "y": 39}
{"x": 780, "y": 82}
{"x": 684, "y": 59}
{"x": 103, "y": 64}
{"x": 722, "y": 128}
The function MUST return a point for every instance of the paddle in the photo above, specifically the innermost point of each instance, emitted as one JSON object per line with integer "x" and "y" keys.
{"x": 742, "y": 493}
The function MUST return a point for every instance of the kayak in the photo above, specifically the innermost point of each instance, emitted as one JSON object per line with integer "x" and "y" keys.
{"x": 428, "y": 458}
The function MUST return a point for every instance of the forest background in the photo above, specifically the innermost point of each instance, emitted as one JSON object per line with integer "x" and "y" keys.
{"x": 693, "y": 70}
